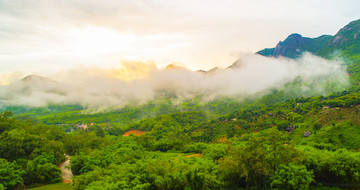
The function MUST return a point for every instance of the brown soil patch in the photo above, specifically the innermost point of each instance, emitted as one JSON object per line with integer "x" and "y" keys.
{"x": 194, "y": 155}
{"x": 134, "y": 132}
{"x": 237, "y": 127}
{"x": 222, "y": 140}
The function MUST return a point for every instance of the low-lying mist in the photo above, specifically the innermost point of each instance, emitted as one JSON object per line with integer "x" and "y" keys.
{"x": 138, "y": 82}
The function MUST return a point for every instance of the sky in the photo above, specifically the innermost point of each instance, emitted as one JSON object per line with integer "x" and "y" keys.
{"x": 44, "y": 37}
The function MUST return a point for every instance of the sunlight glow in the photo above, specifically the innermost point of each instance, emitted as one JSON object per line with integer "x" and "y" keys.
{"x": 132, "y": 70}
{"x": 97, "y": 40}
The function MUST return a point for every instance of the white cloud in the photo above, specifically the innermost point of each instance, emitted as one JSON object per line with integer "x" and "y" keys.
{"x": 141, "y": 82}
{"x": 40, "y": 35}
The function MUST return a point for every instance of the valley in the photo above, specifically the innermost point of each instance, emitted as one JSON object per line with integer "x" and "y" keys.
{"x": 303, "y": 133}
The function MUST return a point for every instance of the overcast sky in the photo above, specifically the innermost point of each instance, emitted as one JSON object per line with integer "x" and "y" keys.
{"x": 43, "y": 36}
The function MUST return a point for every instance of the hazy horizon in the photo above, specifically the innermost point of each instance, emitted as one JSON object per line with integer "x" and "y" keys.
{"x": 139, "y": 82}
{"x": 45, "y": 37}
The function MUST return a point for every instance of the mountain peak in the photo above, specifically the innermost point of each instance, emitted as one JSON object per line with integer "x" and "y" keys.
{"x": 347, "y": 34}
{"x": 294, "y": 36}
{"x": 33, "y": 77}
{"x": 294, "y": 45}
{"x": 174, "y": 66}
{"x": 37, "y": 79}
{"x": 346, "y": 41}
{"x": 291, "y": 47}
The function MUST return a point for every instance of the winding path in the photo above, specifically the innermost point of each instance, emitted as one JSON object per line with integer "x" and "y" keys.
{"x": 65, "y": 170}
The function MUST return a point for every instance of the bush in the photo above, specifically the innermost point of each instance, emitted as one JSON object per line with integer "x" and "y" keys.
{"x": 292, "y": 176}
{"x": 42, "y": 171}
{"x": 10, "y": 174}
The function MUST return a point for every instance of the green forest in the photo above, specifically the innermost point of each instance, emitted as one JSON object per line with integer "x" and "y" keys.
{"x": 298, "y": 143}
{"x": 285, "y": 139}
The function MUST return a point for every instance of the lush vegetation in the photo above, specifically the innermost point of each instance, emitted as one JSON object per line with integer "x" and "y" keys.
{"x": 290, "y": 138}
{"x": 258, "y": 146}
{"x": 29, "y": 152}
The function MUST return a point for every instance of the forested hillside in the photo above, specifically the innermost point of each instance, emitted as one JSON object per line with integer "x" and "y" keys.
{"x": 315, "y": 139}
{"x": 302, "y": 135}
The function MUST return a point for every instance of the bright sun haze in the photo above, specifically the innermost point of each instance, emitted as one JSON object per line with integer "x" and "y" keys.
{"x": 44, "y": 37}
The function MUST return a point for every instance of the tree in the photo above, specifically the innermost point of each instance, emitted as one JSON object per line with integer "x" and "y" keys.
{"x": 6, "y": 123}
{"x": 10, "y": 174}
{"x": 292, "y": 176}
{"x": 256, "y": 162}
{"x": 41, "y": 170}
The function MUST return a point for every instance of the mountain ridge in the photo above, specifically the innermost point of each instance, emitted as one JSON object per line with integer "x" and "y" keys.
{"x": 295, "y": 44}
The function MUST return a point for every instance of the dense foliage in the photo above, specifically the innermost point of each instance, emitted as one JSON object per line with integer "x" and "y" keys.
{"x": 29, "y": 152}
{"x": 261, "y": 145}
{"x": 290, "y": 138}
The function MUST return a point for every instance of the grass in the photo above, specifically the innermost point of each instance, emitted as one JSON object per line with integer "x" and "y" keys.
{"x": 57, "y": 186}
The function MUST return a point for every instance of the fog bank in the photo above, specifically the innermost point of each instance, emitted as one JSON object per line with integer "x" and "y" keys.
{"x": 139, "y": 82}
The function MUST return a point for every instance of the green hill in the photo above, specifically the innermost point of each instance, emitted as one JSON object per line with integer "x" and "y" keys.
{"x": 344, "y": 44}
{"x": 294, "y": 45}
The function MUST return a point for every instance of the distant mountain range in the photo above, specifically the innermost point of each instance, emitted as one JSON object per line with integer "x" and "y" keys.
{"x": 345, "y": 44}
{"x": 347, "y": 40}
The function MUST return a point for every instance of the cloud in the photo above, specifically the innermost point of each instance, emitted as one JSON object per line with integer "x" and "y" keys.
{"x": 9, "y": 77}
{"x": 200, "y": 34}
{"x": 139, "y": 82}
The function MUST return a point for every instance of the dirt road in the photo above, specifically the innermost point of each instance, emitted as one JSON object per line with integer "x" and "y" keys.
{"x": 65, "y": 169}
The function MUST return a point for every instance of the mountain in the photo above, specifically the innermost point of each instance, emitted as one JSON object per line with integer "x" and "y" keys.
{"x": 345, "y": 44}
{"x": 347, "y": 40}
{"x": 32, "y": 83}
{"x": 347, "y": 36}
{"x": 175, "y": 66}
{"x": 37, "y": 79}
{"x": 294, "y": 45}
{"x": 237, "y": 64}
{"x": 281, "y": 140}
